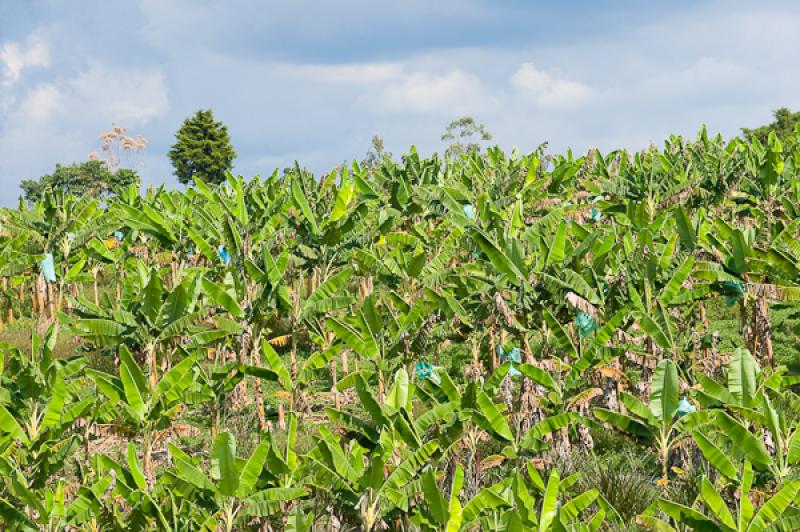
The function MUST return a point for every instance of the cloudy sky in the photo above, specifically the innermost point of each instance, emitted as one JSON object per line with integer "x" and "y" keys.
{"x": 314, "y": 80}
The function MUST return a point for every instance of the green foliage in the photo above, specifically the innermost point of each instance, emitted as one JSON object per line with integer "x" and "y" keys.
{"x": 376, "y": 154}
{"x": 784, "y": 126}
{"x": 570, "y": 308}
{"x": 202, "y": 150}
{"x": 464, "y": 135}
{"x": 92, "y": 179}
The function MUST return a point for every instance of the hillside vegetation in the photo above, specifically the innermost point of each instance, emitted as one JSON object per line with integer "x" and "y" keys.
{"x": 489, "y": 341}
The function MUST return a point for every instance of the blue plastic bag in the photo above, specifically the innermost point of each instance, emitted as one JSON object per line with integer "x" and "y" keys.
{"x": 585, "y": 324}
{"x": 223, "y": 254}
{"x": 685, "y": 407}
{"x": 734, "y": 292}
{"x": 512, "y": 356}
{"x": 118, "y": 235}
{"x": 426, "y": 371}
{"x": 469, "y": 211}
{"x": 48, "y": 268}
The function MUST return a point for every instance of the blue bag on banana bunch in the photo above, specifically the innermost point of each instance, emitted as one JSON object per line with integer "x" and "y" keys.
{"x": 596, "y": 214}
{"x": 512, "y": 356}
{"x": 48, "y": 268}
{"x": 585, "y": 324}
{"x": 733, "y": 292}
{"x": 427, "y": 371}
{"x": 685, "y": 407}
{"x": 469, "y": 211}
{"x": 223, "y": 254}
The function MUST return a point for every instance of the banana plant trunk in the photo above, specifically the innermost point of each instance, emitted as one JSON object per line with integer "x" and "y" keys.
{"x": 293, "y": 355}
{"x": 40, "y": 290}
{"x": 756, "y": 328}
{"x": 60, "y": 297}
{"x": 336, "y": 399}
{"x": 147, "y": 459}
{"x": 239, "y": 396}
{"x": 10, "y": 319}
{"x": 747, "y": 326}
{"x": 214, "y": 422}
{"x": 258, "y": 390}
{"x": 529, "y": 411}
{"x": 96, "y": 292}
{"x": 34, "y": 297}
{"x": 5, "y": 287}
{"x": 611, "y": 386}
{"x": 51, "y": 300}
{"x": 381, "y": 386}
{"x": 21, "y": 302}
{"x": 281, "y": 416}
{"x": 584, "y": 433}
{"x": 763, "y": 331}
{"x": 492, "y": 350}
{"x": 151, "y": 363}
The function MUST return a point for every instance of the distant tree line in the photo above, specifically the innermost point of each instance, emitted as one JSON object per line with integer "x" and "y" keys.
{"x": 203, "y": 151}
{"x": 784, "y": 125}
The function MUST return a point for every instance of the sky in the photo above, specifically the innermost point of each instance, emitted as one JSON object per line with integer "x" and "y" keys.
{"x": 313, "y": 81}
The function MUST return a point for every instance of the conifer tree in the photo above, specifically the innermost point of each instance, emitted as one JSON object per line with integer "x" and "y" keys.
{"x": 203, "y": 150}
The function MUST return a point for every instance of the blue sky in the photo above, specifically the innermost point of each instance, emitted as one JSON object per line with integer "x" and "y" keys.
{"x": 314, "y": 80}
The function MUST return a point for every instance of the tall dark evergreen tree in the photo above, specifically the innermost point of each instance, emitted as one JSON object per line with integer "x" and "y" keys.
{"x": 203, "y": 149}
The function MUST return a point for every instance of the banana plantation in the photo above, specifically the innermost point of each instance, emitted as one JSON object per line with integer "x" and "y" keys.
{"x": 495, "y": 341}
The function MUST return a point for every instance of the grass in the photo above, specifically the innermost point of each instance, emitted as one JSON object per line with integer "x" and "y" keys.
{"x": 785, "y": 331}
{"x": 18, "y": 335}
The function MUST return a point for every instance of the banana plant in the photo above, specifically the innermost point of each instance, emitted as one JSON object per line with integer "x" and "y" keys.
{"x": 51, "y": 508}
{"x": 526, "y": 502}
{"x": 395, "y": 421}
{"x": 41, "y": 405}
{"x": 59, "y": 224}
{"x": 752, "y": 275}
{"x": 774, "y": 513}
{"x": 656, "y": 422}
{"x": 367, "y": 491}
{"x": 146, "y": 408}
{"x": 440, "y": 512}
{"x": 232, "y": 489}
{"x": 746, "y": 416}
{"x": 272, "y": 368}
{"x": 149, "y": 321}
{"x": 134, "y": 503}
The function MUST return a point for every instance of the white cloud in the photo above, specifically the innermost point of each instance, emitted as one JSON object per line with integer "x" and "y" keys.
{"x": 398, "y": 87}
{"x": 547, "y": 90}
{"x": 39, "y": 104}
{"x": 366, "y": 73}
{"x": 455, "y": 92}
{"x": 16, "y": 57}
{"x": 59, "y": 121}
{"x": 705, "y": 76}
{"x": 131, "y": 97}
{"x": 323, "y": 90}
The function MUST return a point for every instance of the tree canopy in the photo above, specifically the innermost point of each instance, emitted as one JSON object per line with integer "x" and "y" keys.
{"x": 90, "y": 178}
{"x": 203, "y": 150}
{"x": 464, "y": 135}
{"x": 376, "y": 153}
{"x": 784, "y": 126}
